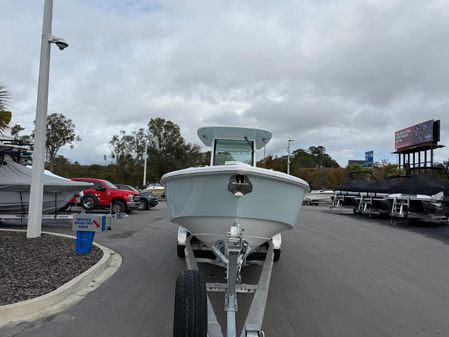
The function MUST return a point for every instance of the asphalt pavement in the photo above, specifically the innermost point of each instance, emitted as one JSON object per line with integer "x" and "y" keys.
{"x": 339, "y": 275}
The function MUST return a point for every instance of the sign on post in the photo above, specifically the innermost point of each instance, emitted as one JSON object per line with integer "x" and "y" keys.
{"x": 86, "y": 225}
{"x": 91, "y": 222}
{"x": 369, "y": 158}
{"x": 417, "y": 135}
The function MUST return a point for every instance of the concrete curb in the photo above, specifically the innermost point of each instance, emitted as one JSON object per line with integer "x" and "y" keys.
{"x": 66, "y": 295}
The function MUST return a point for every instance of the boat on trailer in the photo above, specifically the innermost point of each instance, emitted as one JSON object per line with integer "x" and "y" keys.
{"x": 421, "y": 197}
{"x": 228, "y": 207}
{"x": 319, "y": 197}
{"x": 15, "y": 182}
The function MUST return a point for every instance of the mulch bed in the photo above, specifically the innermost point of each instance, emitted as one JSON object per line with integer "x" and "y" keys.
{"x": 34, "y": 267}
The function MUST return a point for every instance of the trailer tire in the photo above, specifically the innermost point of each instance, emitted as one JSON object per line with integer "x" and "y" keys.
{"x": 277, "y": 255}
{"x": 190, "y": 305}
{"x": 180, "y": 251}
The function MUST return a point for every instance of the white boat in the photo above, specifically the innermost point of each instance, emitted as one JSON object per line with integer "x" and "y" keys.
{"x": 154, "y": 186}
{"x": 233, "y": 192}
{"x": 417, "y": 206}
{"x": 233, "y": 208}
{"x": 15, "y": 182}
{"x": 316, "y": 197}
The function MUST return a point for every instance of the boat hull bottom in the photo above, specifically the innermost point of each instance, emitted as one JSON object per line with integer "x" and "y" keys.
{"x": 217, "y": 227}
{"x": 18, "y": 202}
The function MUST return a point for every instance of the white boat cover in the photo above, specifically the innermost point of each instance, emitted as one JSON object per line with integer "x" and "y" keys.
{"x": 17, "y": 178}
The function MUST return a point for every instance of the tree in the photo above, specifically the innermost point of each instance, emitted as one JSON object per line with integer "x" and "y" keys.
{"x": 3, "y": 97}
{"x": 164, "y": 136}
{"x": 274, "y": 163}
{"x": 16, "y": 129}
{"x": 60, "y": 160}
{"x": 385, "y": 169}
{"x": 313, "y": 165}
{"x": 446, "y": 164}
{"x": 123, "y": 148}
{"x": 5, "y": 116}
{"x": 60, "y": 132}
{"x": 313, "y": 157}
{"x": 317, "y": 150}
{"x": 317, "y": 157}
{"x": 168, "y": 150}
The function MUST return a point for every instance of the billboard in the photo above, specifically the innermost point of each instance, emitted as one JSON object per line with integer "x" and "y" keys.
{"x": 415, "y": 135}
{"x": 369, "y": 158}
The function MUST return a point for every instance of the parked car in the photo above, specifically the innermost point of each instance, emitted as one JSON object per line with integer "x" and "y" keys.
{"x": 147, "y": 199}
{"x": 104, "y": 194}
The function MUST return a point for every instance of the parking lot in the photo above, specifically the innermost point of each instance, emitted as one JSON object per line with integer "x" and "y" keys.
{"x": 339, "y": 275}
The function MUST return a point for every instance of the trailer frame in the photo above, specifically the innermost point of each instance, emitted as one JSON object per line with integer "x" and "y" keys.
{"x": 233, "y": 259}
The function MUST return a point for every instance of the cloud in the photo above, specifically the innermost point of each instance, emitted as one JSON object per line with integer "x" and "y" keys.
{"x": 343, "y": 74}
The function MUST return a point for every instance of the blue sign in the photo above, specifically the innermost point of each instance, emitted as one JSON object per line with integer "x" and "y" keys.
{"x": 369, "y": 158}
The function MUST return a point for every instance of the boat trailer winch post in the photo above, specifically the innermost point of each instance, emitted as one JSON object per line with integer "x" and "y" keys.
{"x": 234, "y": 248}
{"x": 235, "y": 251}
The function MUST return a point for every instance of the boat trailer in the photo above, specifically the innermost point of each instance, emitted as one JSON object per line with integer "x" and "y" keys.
{"x": 68, "y": 217}
{"x": 194, "y": 314}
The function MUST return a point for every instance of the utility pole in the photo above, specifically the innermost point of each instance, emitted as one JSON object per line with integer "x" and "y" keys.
{"x": 288, "y": 158}
{"x": 34, "y": 224}
{"x": 145, "y": 164}
{"x": 264, "y": 164}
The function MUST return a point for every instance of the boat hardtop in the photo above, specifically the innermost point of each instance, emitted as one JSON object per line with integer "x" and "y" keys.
{"x": 210, "y": 133}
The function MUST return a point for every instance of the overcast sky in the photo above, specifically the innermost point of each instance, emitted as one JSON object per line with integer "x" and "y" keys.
{"x": 345, "y": 74}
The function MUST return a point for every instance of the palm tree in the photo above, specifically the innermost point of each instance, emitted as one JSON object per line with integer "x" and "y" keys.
{"x": 5, "y": 116}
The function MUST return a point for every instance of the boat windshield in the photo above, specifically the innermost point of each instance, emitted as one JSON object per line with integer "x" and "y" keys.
{"x": 233, "y": 150}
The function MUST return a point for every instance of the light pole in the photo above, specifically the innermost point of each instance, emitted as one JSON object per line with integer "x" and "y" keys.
{"x": 145, "y": 164}
{"x": 35, "y": 208}
{"x": 288, "y": 158}
{"x": 264, "y": 164}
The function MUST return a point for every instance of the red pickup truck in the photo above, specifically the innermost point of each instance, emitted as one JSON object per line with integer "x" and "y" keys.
{"x": 103, "y": 194}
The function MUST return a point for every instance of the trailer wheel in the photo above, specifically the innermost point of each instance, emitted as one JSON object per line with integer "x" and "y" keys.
{"x": 89, "y": 202}
{"x": 180, "y": 251}
{"x": 277, "y": 255}
{"x": 190, "y": 305}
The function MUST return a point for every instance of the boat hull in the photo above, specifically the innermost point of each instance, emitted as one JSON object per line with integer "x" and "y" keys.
{"x": 319, "y": 197}
{"x": 12, "y": 202}
{"x": 199, "y": 200}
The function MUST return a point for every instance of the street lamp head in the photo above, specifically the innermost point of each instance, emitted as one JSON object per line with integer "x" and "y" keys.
{"x": 59, "y": 41}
